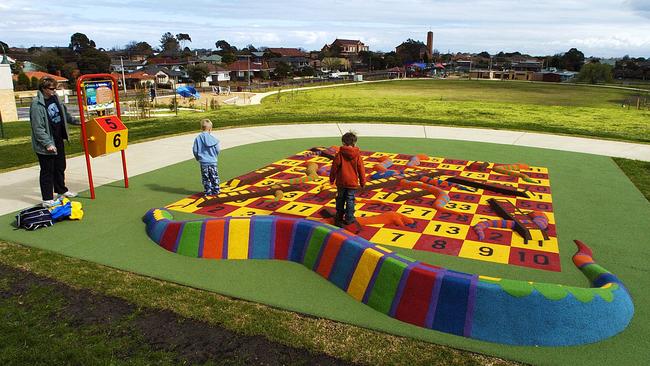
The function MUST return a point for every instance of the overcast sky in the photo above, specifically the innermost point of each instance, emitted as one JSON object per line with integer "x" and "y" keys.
{"x": 604, "y": 28}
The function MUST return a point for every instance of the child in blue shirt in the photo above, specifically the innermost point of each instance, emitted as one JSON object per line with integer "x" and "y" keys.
{"x": 206, "y": 151}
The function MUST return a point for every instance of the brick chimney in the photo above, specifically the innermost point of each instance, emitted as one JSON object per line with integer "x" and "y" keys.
{"x": 430, "y": 45}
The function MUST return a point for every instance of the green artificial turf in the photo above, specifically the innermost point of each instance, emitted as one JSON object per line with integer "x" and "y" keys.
{"x": 593, "y": 201}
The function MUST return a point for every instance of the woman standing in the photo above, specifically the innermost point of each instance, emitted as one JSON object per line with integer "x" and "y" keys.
{"x": 49, "y": 119}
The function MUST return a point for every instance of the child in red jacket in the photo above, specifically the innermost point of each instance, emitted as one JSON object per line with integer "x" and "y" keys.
{"x": 349, "y": 174}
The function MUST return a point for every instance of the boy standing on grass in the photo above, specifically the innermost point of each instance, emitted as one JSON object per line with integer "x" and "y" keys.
{"x": 349, "y": 174}
{"x": 206, "y": 151}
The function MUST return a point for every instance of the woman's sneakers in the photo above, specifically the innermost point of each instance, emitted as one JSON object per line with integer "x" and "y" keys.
{"x": 68, "y": 194}
{"x": 48, "y": 203}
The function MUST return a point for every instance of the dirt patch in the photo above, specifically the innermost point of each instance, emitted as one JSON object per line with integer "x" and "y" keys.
{"x": 191, "y": 341}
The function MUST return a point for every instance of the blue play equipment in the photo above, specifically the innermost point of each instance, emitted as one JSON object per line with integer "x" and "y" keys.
{"x": 188, "y": 92}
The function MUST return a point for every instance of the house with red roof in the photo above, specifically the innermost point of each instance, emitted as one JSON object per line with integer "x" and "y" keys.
{"x": 349, "y": 47}
{"x": 63, "y": 82}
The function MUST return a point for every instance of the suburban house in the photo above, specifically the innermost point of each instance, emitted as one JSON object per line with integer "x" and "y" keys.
{"x": 288, "y": 52}
{"x": 165, "y": 75}
{"x": 403, "y": 51}
{"x": 135, "y": 80}
{"x": 527, "y": 65}
{"x": 63, "y": 82}
{"x": 240, "y": 69}
{"x": 217, "y": 74}
{"x": 296, "y": 62}
{"x": 349, "y": 47}
{"x": 211, "y": 59}
{"x": 129, "y": 66}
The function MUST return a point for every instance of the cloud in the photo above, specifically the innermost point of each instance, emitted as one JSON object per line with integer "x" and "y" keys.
{"x": 604, "y": 27}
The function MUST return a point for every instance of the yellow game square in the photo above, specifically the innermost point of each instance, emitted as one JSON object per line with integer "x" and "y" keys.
{"x": 539, "y": 243}
{"x": 246, "y": 202}
{"x": 475, "y": 175}
{"x": 462, "y": 207}
{"x": 382, "y": 154}
{"x": 485, "y": 198}
{"x": 362, "y": 213}
{"x": 385, "y": 196}
{"x": 299, "y": 208}
{"x": 434, "y": 159}
{"x": 540, "y": 197}
{"x": 289, "y": 162}
{"x": 319, "y": 159}
{"x": 447, "y": 229}
{"x": 186, "y": 205}
{"x": 535, "y": 169}
{"x": 396, "y": 238}
{"x": 268, "y": 182}
{"x": 417, "y": 212}
{"x": 551, "y": 217}
{"x": 292, "y": 196}
{"x": 538, "y": 182}
{"x": 451, "y": 167}
{"x": 400, "y": 161}
{"x": 478, "y": 218}
{"x": 485, "y": 251}
{"x": 248, "y": 211}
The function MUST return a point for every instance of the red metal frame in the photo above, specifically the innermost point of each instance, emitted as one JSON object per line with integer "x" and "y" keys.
{"x": 82, "y": 118}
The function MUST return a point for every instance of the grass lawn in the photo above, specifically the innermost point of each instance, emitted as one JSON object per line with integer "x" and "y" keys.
{"x": 128, "y": 248}
{"x": 567, "y": 109}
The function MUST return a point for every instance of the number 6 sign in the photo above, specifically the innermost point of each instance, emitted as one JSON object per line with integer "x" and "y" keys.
{"x": 105, "y": 133}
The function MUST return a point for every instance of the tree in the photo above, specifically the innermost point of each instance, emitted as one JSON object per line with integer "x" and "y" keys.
{"x": 594, "y": 73}
{"x": 23, "y": 82}
{"x": 169, "y": 43}
{"x": 34, "y": 83}
{"x": 484, "y": 54}
{"x": 307, "y": 71}
{"x": 282, "y": 70}
{"x": 574, "y": 59}
{"x": 80, "y": 42}
{"x": 411, "y": 50}
{"x": 228, "y": 58}
{"x": 50, "y": 61}
{"x": 225, "y": 47}
{"x": 92, "y": 61}
{"x": 392, "y": 59}
{"x": 331, "y": 63}
{"x": 198, "y": 73}
{"x": 139, "y": 48}
{"x": 182, "y": 38}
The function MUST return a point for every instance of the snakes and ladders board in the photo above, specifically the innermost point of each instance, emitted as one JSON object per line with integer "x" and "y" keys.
{"x": 445, "y": 232}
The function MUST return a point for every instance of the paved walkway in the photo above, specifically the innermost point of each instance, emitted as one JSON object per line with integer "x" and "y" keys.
{"x": 20, "y": 189}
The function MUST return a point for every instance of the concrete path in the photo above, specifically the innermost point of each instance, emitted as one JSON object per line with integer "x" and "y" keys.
{"x": 20, "y": 189}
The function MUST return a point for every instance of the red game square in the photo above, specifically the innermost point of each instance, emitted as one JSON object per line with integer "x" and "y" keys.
{"x": 502, "y": 237}
{"x": 439, "y": 244}
{"x": 216, "y": 210}
{"x": 534, "y": 205}
{"x": 421, "y": 202}
{"x": 418, "y": 226}
{"x": 503, "y": 178}
{"x": 455, "y": 162}
{"x": 485, "y": 210}
{"x": 456, "y": 218}
{"x": 367, "y": 232}
{"x": 380, "y": 207}
{"x": 535, "y": 259}
{"x": 465, "y": 197}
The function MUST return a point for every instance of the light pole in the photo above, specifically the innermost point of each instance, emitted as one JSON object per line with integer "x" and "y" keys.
{"x": 123, "y": 78}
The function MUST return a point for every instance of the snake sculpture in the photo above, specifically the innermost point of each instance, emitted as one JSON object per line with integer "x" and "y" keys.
{"x": 470, "y": 305}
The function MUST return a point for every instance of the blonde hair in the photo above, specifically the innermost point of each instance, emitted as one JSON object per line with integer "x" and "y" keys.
{"x": 206, "y": 125}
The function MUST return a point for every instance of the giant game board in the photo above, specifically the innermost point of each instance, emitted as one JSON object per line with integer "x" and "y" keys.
{"x": 446, "y": 232}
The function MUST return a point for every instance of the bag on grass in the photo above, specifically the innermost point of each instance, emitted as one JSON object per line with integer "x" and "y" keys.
{"x": 34, "y": 218}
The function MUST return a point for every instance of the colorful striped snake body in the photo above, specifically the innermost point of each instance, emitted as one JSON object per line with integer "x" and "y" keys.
{"x": 469, "y": 305}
